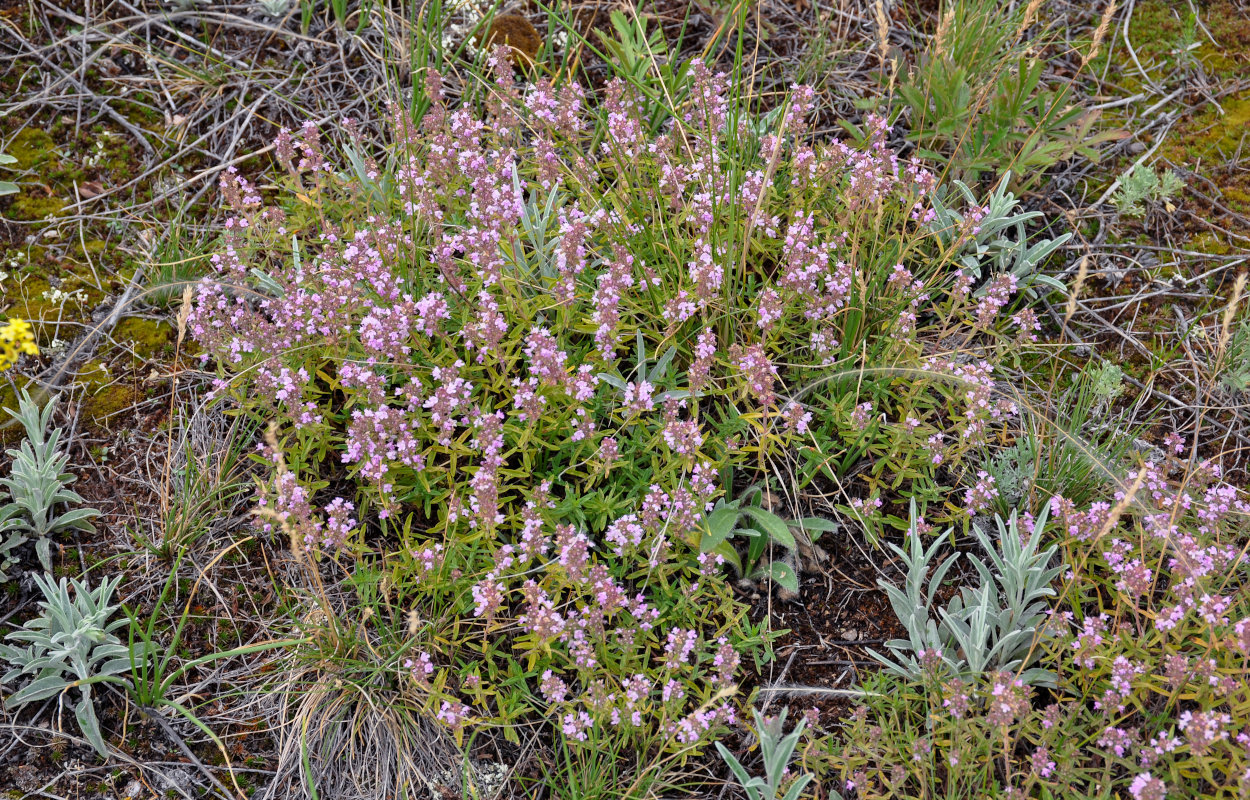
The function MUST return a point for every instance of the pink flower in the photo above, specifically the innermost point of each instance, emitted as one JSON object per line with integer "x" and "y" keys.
{"x": 1147, "y": 787}
{"x": 979, "y": 497}
{"x": 421, "y": 667}
{"x": 339, "y": 523}
{"x": 769, "y": 309}
{"x": 704, "y": 352}
{"x": 453, "y": 714}
{"x": 575, "y": 724}
{"x": 796, "y": 418}
{"x": 758, "y": 370}
{"x": 861, "y": 414}
{"x": 639, "y": 397}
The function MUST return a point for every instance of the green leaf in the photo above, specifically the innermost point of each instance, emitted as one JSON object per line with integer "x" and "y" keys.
{"x": 720, "y": 525}
{"x": 735, "y": 766}
{"x": 612, "y": 380}
{"x": 755, "y": 548}
{"x": 815, "y": 526}
{"x": 36, "y": 690}
{"x": 78, "y": 519}
{"x": 661, "y": 365}
{"x": 782, "y": 574}
{"x": 84, "y": 712}
{"x": 772, "y": 525}
{"x": 43, "y": 549}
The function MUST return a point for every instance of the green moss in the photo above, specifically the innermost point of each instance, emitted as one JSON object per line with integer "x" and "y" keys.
{"x": 1237, "y": 196}
{"x": 32, "y": 148}
{"x": 107, "y": 403}
{"x": 138, "y": 113}
{"x": 115, "y": 155}
{"x": 149, "y": 338}
{"x": 1206, "y": 142}
{"x": 91, "y": 247}
{"x": 1230, "y": 26}
{"x": 26, "y": 206}
{"x": 29, "y": 303}
{"x": 1166, "y": 40}
{"x": 1164, "y": 33}
{"x": 1210, "y": 243}
{"x": 35, "y": 150}
{"x": 102, "y": 399}
{"x": 1213, "y": 136}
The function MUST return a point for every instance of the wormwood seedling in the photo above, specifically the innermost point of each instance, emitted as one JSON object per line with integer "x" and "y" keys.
{"x": 39, "y": 485}
{"x": 992, "y": 627}
{"x": 72, "y": 646}
{"x": 776, "y": 750}
{"x": 1141, "y": 185}
{"x": 991, "y": 239}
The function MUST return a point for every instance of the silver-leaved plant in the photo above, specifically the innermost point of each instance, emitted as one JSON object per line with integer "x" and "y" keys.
{"x": 998, "y": 242}
{"x": 39, "y": 488}
{"x": 996, "y": 626}
{"x": 70, "y": 645}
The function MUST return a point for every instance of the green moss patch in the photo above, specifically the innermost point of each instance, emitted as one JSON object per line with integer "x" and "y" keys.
{"x": 1213, "y": 136}
{"x": 102, "y": 398}
{"x": 37, "y": 300}
{"x": 1206, "y": 142}
{"x": 32, "y": 148}
{"x": 149, "y": 338}
{"x": 1164, "y": 34}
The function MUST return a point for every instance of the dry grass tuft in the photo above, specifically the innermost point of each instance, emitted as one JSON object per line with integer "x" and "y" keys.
{"x": 357, "y": 740}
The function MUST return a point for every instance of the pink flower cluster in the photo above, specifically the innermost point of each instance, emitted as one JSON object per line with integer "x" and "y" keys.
{"x": 462, "y": 394}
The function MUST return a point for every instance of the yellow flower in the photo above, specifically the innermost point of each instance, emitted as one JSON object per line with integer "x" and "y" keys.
{"x": 16, "y": 338}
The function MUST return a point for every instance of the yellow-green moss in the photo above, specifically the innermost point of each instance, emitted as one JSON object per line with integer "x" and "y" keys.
{"x": 1212, "y": 136}
{"x": 32, "y": 147}
{"x": 1237, "y": 196}
{"x": 34, "y": 150}
{"x": 26, "y": 206}
{"x": 91, "y": 247}
{"x": 101, "y": 397}
{"x": 1161, "y": 35}
{"x": 1205, "y": 142}
{"x": 1210, "y": 243}
{"x": 29, "y": 301}
{"x": 149, "y": 338}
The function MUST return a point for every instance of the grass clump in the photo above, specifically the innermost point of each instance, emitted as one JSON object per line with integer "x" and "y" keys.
{"x": 977, "y": 99}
